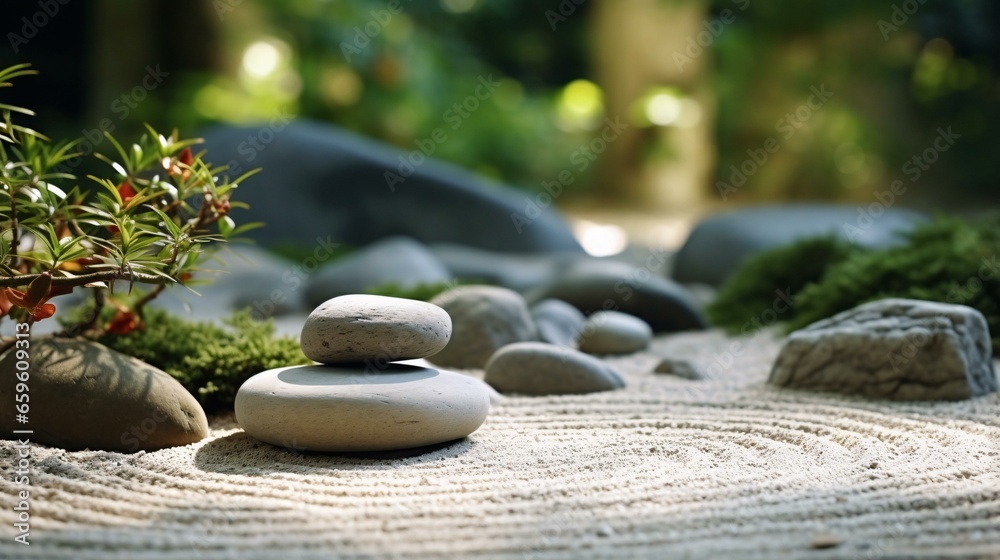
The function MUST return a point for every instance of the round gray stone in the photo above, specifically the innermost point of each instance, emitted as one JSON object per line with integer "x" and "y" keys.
{"x": 400, "y": 261}
{"x": 558, "y": 322}
{"x": 340, "y": 409}
{"x": 361, "y": 327}
{"x": 537, "y": 368}
{"x": 612, "y": 332}
{"x": 484, "y": 319}
{"x": 596, "y": 285}
{"x": 86, "y": 396}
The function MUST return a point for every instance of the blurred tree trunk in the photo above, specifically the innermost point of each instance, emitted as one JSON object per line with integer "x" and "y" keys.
{"x": 179, "y": 36}
{"x": 641, "y": 44}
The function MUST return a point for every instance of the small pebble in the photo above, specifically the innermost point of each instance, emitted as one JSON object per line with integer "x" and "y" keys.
{"x": 680, "y": 368}
{"x": 558, "y": 322}
{"x": 825, "y": 540}
{"x": 484, "y": 319}
{"x": 613, "y": 332}
{"x": 537, "y": 368}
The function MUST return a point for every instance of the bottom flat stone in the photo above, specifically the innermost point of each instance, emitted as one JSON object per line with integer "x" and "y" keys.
{"x": 344, "y": 408}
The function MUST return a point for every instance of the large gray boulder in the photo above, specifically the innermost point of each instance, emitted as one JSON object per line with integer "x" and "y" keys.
{"x": 900, "y": 349}
{"x": 319, "y": 180}
{"x": 519, "y": 272}
{"x": 720, "y": 243}
{"x": 83, "y": 395}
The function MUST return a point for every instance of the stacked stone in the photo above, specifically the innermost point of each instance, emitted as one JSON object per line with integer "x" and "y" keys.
{"x": 358, "y": 398}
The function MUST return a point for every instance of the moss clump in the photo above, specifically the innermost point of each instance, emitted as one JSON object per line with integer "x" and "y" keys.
{"x": 946, "y": 260}
{"x": 767, "y": 276}
{"x": 210, "y": 361}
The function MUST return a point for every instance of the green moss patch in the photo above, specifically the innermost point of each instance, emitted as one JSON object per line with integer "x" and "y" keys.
{"x": 209, "y": 360}
{"x": 947, "y": 260}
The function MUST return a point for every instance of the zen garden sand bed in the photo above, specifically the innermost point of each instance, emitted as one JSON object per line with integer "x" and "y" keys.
{"x": 727, "y": 467}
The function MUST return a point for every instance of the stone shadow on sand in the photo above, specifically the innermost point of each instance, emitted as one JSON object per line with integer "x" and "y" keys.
{"x": 238, "y": 453}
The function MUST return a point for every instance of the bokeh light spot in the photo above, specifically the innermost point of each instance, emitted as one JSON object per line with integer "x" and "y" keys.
{"x": 261, "y": 59}
{"x": 600, "y": 240}
{"x": 580, "y": 104}
{"x": 663, "y": 109}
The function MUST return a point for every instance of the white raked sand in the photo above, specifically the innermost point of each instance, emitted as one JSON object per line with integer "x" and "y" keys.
{"x": 666, "y": 468}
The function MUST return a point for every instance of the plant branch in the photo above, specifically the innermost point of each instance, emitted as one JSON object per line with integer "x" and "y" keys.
{"x": 14, "y": 227}
{"x": 91, "y": 322}
{"x": 204, "y": 219}
{"x": 151, "y": 295}
{"x": 74, "y": 281}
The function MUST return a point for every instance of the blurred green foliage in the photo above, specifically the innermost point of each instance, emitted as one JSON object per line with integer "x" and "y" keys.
{"x": 948, "y": 260}
{"x": 898, "y": 69}
{"x": 398, "y": 75}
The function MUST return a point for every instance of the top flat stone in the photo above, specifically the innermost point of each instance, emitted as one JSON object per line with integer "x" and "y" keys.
{"x": 355, "y": 328}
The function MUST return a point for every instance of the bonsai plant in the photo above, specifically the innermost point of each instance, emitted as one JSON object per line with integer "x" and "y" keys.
{"x": 140, "y": 228}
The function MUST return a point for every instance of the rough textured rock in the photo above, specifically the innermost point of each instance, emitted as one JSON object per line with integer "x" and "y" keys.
{"x": 359, "y": 327}
{"x": 612, "y": 332}
{"x": 320, "y": 180}
{"x": 537, "y": 368}
{"x": 402, "y": 261}
{"x": 680, "y": 368}
{"x": 558, "y": 322}
{"x": 484, "y": 319}
{"x": 720, "y": 243}
{"x": 598, "y": 285}
{"x": 85, "y": 395}
{"x": 327, "y": 408}
{"x": 899, "y": 349}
